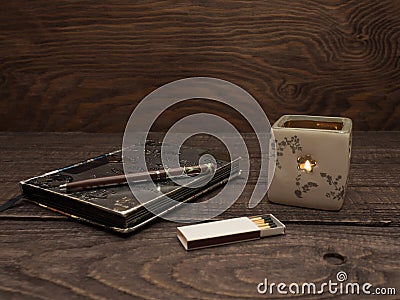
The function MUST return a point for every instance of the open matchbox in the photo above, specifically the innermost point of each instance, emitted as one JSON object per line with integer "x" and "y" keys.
{"x": 229, "y": 231}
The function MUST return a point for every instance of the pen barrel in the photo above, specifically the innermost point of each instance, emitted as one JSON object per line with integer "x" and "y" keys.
{"x": 92, "y": 182}
{"x": 176, "y": 172}
{"x": 141, "y": 176}
{"x": 190, "y": 171}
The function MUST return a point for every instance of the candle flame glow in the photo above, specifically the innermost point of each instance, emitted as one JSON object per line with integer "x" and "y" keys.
{"x": 306, "y": 163}
{"x": 307, "y": 166}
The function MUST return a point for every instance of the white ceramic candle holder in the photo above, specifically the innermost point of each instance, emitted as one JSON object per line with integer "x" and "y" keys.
{"x": 313, "y": 160}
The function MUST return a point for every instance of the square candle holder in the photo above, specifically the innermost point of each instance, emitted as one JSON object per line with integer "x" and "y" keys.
{"x": 313, "y": 160}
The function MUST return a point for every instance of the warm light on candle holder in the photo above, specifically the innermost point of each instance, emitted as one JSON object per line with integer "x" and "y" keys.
{"x": 306, "y": 163}
{"x": 313, "y": 159}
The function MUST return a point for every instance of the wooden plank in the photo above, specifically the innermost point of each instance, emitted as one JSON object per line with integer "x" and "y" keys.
{"x": 368, "y": 147}
{"x": 84, "y": 65}
{"x": 360, "y": 175}
{"x": 363, "y": 207}
{"x": 371, "y": 199}
{"x": 70, "y": 261}
{"x": 45, "y": 255}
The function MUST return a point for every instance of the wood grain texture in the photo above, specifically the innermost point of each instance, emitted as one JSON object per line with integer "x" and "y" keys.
{"x": 72, "y": 262}
{"x": 45, "y": 255}
{"x": 84, "y": 65}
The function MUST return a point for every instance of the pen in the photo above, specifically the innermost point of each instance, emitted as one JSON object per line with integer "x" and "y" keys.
{"x": 157, "y": 175}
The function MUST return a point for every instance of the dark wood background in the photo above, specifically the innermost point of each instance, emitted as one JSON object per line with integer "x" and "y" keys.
{"x": 84, "y": 65}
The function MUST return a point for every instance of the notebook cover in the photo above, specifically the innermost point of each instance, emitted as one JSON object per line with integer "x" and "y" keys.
{"x": 116, "y": 208}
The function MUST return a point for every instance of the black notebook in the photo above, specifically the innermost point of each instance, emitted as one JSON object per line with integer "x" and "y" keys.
{"x": 115, "y": 207}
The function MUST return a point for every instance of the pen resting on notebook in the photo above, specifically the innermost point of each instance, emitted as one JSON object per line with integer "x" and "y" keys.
{"x": 157, "y": 175}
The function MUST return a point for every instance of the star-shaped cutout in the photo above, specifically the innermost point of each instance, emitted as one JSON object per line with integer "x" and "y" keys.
{"x": 306, "y": 163}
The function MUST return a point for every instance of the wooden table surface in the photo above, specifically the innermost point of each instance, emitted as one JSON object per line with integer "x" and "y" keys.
{"x": 48, "y": 256}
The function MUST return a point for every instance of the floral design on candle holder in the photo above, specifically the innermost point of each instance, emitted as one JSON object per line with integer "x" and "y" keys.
{"x": 338, "y": 192}
{"x": 304, "y": 188}
{"x": 313, "y": 159}
{"x": 293, "y": 143}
